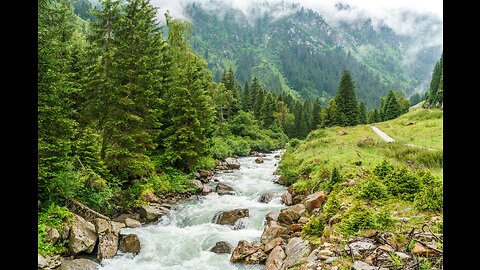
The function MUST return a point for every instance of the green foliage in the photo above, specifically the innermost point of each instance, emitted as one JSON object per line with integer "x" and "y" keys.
{"x": 314, "y": 227}
{"x": 435, "y": 93}
{"x": 425, "y": 157}
{"x": 205, "y": 163}
{"x": 402, "y": 183}
{"x": 346, "y": 101}
{"x": 372, "y": 189}
{"x": 383, "y": 169}
{"x": 430, "y": 197}
{"x": 357, "y": 219}
{"x": 425, "y": 265}
{"x": 52, "y": 216}
{"x": 331, "y": 206}
{"x": 383, "y": 219}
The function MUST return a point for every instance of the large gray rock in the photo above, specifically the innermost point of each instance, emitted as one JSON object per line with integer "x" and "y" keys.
{"x": 230, "y": 217}
{"x": 221, "y": 247}
{"x": 48, "y": 262}
{"x": 273, "y": 243}
{"x": 52, "y": 235}
{"x": 232, "y": 163}
{"x": 248, "y": 253}
{"x": 82, "y": 236}
{"x": 107, "y": 239}
{"x": 265, "y": 197}
{"x": 275, "y": 259}
{"x": 272, "y": 216}
{"x": 287, "y": 198}
{"x": 272, "y": 231}
{"x": 206, "y": 190}
{"x": 359, "y": 265}
{"x": 223, "y": 189}
{"x": 129, "y": 243}
{"x": 132, "y": 223}
{"x": 291, "y": 214}
{"x": 296, "y": 250}
{"x": 78, "y": 264}
{"x": 152, "y": 212}
{"x": 198, "y": 184}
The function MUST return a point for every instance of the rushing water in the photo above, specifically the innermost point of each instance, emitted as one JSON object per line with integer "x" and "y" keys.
{"x": 182, "y": 239}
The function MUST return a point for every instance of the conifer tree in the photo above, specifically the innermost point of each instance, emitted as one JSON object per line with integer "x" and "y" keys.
{"x": 346, "y": 100}
{"x": 362, "y": 112}
{"x": 435, "y": 93}
{"x": 246, "y": 101}
{"x": 331, "y": 116}
{"x": 392, "y": 108}
{"x": 316, "y": 114}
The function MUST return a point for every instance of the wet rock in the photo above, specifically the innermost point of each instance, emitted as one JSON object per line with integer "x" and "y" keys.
{"x": 232, "y": 163}
{"x": 265, "y": 197}
{"x": 315, "y": 200}
{"x": 273, "y": 243}
{"x": 78, "y": 264}
{"x": 206, "y": 190}
{"x": 221, "y": 247}
{"x": 272, "y": 231}
{"x": 240, "y": 224}
{"x": 48, "y": 262}
{"x": 296, "y": 249}
{"x": 287, "y": 198}
{"x": 259, "y": 160}
{"x": 107, "y": 239}
{"x": 291, "y": 214}
{"x": 275, "y": 259}
{"x": 223, "y": 189}
{"x": 82, "y": 236}
{"x": 257, "y": 154}
{"x": 152, "y": 212}
{"x": 129, "y": 243}
{"x": 230, "y": 217}
{"x": 248, "y": 253}
{"x": 132, "y": 223}
{"x": 359, "y": 265}
{"x": 198, "y": 184}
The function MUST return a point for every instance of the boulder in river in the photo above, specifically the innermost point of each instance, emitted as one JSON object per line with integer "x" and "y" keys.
{"x": 240, "y": 224}
{"x": 248, "y": 253}
{"x": 272, "y": 216}
{"x": 107, "y": 239}
{"x": 232, "y": 163}
{"x": 221, "y": 247}
{"x": 152, "y": 212}
{"x": 265, "y": 197}
{"x": 287, "y": 198}
{"x": 129, "y": 243}
{"x": 223, "y": 189}
{"x": 272, "y": 231}
{"x": 229, "y": 217}
{"x": 206, "y": 190}
{"x": 291, "y": 214}
{"x": 259, "y": 160}
{"x": 82, "y": 236}
{"x": 132, "y": 223}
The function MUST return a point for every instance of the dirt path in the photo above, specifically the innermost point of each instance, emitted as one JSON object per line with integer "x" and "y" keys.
{"x": 383, "y": 135}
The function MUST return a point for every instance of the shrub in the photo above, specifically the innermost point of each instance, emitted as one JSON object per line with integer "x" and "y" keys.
{"x": 294, "y": 143}
{"x": 384, "y": 220}
{"x": 331, "y": 207}
{"x": 383, "y": 169}
{"x": 52, "y": 217}
{"x": 430, "y": 197}
{"x": 402, "y": 183}
{"x": 357, "y": 219}
{"x": 373, "y": 189}
{"x": 314, "y": 227}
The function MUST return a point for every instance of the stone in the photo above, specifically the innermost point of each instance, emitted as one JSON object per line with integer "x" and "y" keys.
{"x": 287, "y": 198}
{"x": 229, "y": 217}
{"x": 259, "y": 160}
{"x": 122, "y": 218}
{"x": 265, "y": 197}
{"x": 48, "y": 262}
{"x": 232, "y": 163}
{"x": 257, "y": 154}
{"x": 359, "y": 265}
{"x": 360, "y": 246}
{"x": 206, "y": 190}
{"x": 42, "y": 262}
{"x": 52, "y": 235}
{"x": 152, "y": 212}
{"x": 273, "y": 243}
{"x": 386, "y": 248}
{"x": 303, "y": 220}
{"x": 330, "y": 259}
{"x": 299, "y": 198}
{"x": 240, "y": 224}
{"x": 129, "y": 243}
{"x": 402, "y": 255}
{"x": 116, "y": 226}
{"x": 198, "y": 184}
{"x": 315, "y": 200}
{"x": 296, "y": 249}
{"x": 65, "y": 231}
{"x": 272, "y": 231}
{"x": 248, "y": 253}
{"x": 272, "y": 216}
{"x": 275, "y": 259}
{"x": 223, "y": 189}
{"x": 295, "y": 227}
{"x": 107, "y": 239}
{"x": 342, "y": 132}
{"x": 78, "y": 264}
{"x": 82, "y": 236}
{"x": 132, "y": 223}
{"x": 221, "y": 247}
{"x": 291, "y": 214}
{"x": 421, "y": 250}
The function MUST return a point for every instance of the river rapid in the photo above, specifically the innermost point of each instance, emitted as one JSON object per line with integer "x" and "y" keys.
{"x": 182, "y": 239}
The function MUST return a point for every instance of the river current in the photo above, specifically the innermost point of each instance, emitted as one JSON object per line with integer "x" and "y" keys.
{"x": 182, "y": 239}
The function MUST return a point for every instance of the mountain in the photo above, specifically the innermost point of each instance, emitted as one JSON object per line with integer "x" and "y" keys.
{"x": 294, "y": 49}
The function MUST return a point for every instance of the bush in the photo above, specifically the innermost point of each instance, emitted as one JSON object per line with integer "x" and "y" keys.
{"x": 402, "y": 183}
{"x": 383, "y": 169}
{"x": 430, "y": 197}
{"x": 294, "y": 143}
{"x": 331, "y": 207}
{"x": 52, "y": 217}
{"x": 384, "y": 220}
{"x": 425, "y": 157}
{"x": 357, "y": 219}
{"x": 373, "y": 189}
{"x": 314, "y": 227}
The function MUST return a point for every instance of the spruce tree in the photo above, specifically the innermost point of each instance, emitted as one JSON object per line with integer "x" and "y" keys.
{"x": 316, "y": 114}
{"x": 435, "y": 93}
{"x": 362, "y": 112}
{"x": 246, "y": 101}
{"x": 346, "y": 100}
{"x": 392, "y": 108}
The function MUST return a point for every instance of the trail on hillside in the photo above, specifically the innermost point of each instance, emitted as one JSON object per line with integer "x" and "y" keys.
{"x": 389, "y": 139}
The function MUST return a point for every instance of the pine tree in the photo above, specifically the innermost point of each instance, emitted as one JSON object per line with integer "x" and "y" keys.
{"x": 435, "y": 93}
{"x": 316, "y": 114}
{"x": 346, "y": 100}
{"x": 256, "y": 97}
{"x": 246, "y": 101}
{"x": 392, "y": 108}
{"x": 362, "y": 112}
{"x": 331, "y": 116}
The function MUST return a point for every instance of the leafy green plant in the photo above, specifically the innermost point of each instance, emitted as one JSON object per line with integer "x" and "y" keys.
{"x": 314, "y": 227}
{"x": 52, "y": 217}
{"x": 373, "y": 189}
{"x": 402, "y": 183}
{"x": 331, "y": 207}
{"x": 357, "y": 219}
{"x": 384, "y": 220}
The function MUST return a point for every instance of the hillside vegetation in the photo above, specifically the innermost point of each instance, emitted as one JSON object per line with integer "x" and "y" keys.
{"x": 371, "y": 185}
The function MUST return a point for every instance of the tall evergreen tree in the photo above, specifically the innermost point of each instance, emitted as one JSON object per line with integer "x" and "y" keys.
{"x": 316, "y": 114}
{"x": 392, "y": 108}
{"x": 246, "y": 101}
{"x": 362, "y": 112}
{"x": 331, "y": 116}
{"x": 346, "y": 100}
{"x": 435, "y": 93}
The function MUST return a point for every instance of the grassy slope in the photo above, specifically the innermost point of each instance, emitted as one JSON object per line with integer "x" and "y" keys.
{"x": 314, "y": 159}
